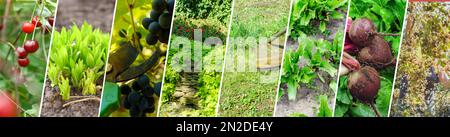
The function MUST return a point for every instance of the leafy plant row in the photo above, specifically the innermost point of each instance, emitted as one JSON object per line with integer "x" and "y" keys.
{"x": 77, "y": 59}
{"x": 201, "y": 9}
{"x": 308, "y": 15}
{"x": 302, "y": 66}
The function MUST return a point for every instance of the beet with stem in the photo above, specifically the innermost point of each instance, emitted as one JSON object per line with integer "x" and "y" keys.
{"x": 363, "y": 31}
{"x": 364, "y": 85}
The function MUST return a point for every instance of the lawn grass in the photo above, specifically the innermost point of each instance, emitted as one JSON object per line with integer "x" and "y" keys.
{"x": 259, "y": 18}
{"x": 245, "y": 93}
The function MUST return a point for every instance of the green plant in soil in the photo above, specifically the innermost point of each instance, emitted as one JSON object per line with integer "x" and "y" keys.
{"x": 301, "y": 67}
{"x": 25, "y": 32}
{"x": 312, "y": 64}
{"x": 312, "y": 14}
{"x": 387, "y": 17}
{"x": 77, "y": 59}
{"x": 136, "y": 59}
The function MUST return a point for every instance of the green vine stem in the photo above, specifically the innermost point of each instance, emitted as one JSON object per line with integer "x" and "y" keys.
{"x": 134, "y": 38}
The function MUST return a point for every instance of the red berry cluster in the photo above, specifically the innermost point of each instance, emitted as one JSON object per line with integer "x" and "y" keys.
{"x": 29, "y": 46}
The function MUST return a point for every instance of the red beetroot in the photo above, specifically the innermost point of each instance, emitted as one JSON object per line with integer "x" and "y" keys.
{"x": 361, "y": 32}
{"x": 364, "y": 84}
{"x": 377, "y": 54}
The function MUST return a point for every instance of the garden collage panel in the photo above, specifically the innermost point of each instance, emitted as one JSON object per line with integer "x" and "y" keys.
{"x": 224, "y": 58}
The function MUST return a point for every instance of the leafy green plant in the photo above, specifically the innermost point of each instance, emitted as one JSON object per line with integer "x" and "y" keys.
{"x": 308, "y": 14}
{"x": 296, "y": 114}
{"x": 301, "y": 66}
{"x": 210, "y": 81}
{"x": 78, "y": 57}
{"x": 170, "y": 78}
{"x": 212, "y": 9}
{"x": 64, "y": 88}
{"x": 324, "y": 109}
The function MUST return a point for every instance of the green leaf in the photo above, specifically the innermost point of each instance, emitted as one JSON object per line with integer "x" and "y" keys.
{"x": 292, "y": 90}
{"x": 324, "y": 109}
{"x": 327, "y": 67}
{"x": 53, "y": 74}
{"x": 333, "y": 86}
{"x": 110, "y": 99}
{"x": 323, "y": 26}
{"x": 296, "y": 114}
{"x": 340, "y": 109}
{"x": 384, "y": 97}
{"x": 64, "y": 88}
{"x": 362, "y": 110}
{"x": 89, "y": 83}
{"x": 336, "y": 15}
{"x": 344, "y": 97}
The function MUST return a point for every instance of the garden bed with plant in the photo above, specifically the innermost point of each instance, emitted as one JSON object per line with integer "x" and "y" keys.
{"x": 311, "y": 61}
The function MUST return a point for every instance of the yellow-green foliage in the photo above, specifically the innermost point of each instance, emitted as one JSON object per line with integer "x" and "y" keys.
{"x": 78, "y": 56}
{"x": 424, "y": 46}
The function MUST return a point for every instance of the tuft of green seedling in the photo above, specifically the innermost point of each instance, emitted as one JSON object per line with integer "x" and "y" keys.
{"x": 78, "y": 58}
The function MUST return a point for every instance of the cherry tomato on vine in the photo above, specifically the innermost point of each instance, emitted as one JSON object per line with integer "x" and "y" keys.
{"x": 31, "y": 46}
{"x": 36, "y": 20}
{"x": 27, "y": 27}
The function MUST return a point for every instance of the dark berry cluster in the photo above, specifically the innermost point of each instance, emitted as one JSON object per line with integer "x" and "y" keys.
{"x": 159, "y": 22}
{"x": 139, "y": 97}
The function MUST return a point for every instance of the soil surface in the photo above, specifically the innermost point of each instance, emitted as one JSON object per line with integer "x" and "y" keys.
{"x": 98, "y": 13}
{"x": 53, "y": 104}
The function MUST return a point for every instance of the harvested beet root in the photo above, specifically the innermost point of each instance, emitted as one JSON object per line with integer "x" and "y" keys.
{"x": 364, "y": 84}
{"x": 361, "y": 31}
{"x": 377, "y": 54}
